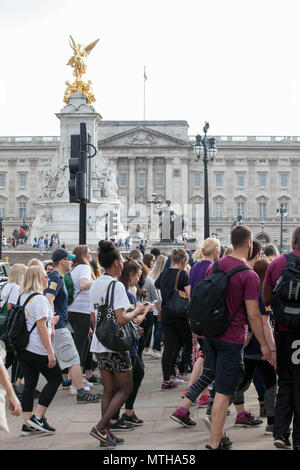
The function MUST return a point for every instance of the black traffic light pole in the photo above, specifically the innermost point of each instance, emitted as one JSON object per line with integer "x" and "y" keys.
{"x": 79, "y": 182}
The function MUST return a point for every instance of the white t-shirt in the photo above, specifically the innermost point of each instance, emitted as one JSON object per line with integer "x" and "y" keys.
{"x": 97, "y": 297}
{"x": 10, "y": 293}
{"x": 36, "y": 309}
{"x": 80, "y": 302}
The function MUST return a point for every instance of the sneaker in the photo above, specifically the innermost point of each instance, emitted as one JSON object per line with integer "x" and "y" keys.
{"x": 133, "y": 419}
{"x": 92, "y": 380}
{"x": 282, "y": 443}
{"x": 120, "y": 425}
{"x": 226, "y": 442}
{"x": 103, "y": 436}
{"x": 176, "y": 381}
{"x": 73, "y": 389}
{"x": 28, "y": 430}
{"x": 185, "y": 420}
{"x": 115, "y": 439}
{"x": 88, "y": 397}
{"x": 247, "y": 420}
{"x": 66, "y": 384}
{"x": 183, "y": 377}
{"x": 147, "y": 352}
{"x": 156, "y": 354}
{"x": 204, "y": 401}
{"x": 168, "y": 386}
{"x": 86, "y": 383}
{"x": 40, "y": 424}
{"x": 220, "y": 447}
{"x": 269, "y": 429}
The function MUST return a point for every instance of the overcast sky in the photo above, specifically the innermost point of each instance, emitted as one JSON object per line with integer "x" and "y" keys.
{"x": 234, "y": 63}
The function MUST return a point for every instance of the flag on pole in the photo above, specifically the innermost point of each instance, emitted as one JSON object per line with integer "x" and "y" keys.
{"x": 145, "y": 76}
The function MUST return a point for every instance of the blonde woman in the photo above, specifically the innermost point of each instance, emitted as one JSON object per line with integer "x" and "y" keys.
{"x": 79, "y": 313}
{"x": 158, "y": 332}
{"x": 210, "y": 252}
{"x": 38, "y": 357}
{"x": 35, "y": 262}
{"x": 9, "y": 298}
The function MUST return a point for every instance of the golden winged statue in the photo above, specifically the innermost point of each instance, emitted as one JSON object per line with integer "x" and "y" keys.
{"x": 77, "y": 62}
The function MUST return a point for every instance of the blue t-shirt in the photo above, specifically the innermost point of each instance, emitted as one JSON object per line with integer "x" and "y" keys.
{"x": 133, "y": 352}
{"x": 253, "y": 348}
{"x": 56, "y": 286}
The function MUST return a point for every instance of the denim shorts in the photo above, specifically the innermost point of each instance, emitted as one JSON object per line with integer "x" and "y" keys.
{"x": 228, "y": 359}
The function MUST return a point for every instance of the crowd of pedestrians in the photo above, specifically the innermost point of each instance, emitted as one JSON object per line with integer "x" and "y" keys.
{"x": 62, "y": 304}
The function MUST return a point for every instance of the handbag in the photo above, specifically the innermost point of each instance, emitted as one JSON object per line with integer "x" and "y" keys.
{"x": 178, "y": 301}
{"x": 108, "y": 331}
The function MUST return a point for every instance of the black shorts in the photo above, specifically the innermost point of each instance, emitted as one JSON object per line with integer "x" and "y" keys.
{"x": 228, "y": 360}
{"x": 114, "y": 361}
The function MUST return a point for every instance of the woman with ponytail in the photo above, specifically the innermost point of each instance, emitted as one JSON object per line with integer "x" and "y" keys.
{"x": 115, "y": 367}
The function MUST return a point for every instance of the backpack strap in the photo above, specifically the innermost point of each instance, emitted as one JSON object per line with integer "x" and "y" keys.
{"x": 233, "y": 271}
{"x": 26, "y": 301}
{"x": 292, "y": 259}
{"x": 176, "y": 280}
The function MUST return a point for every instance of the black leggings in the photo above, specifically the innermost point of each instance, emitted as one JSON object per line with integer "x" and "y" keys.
{"x": 16, "y": 369}
{"x": 81, "y": 323}
{"x": 32, "y": 365}
{"x": 173, "y": 332}
{"x": 269, "y": 377}
{"x": 137, "y": 377}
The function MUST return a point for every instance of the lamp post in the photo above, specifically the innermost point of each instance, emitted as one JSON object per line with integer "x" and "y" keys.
{"x": 262, "y": 224}
{"x": 207, "y": 147}
{"x": 155, "y": 202}
{"x": 283, "y": 213}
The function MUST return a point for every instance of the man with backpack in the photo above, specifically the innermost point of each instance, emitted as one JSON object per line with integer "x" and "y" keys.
{"x": 63, "y": 344}
{"x": 225, "y": 348}
{"x": 281, "y": 290}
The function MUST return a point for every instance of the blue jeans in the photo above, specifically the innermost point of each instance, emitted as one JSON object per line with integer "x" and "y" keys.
{"x": 158, "y": 332}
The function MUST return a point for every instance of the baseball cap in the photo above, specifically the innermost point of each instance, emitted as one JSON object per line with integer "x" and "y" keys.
{"x": 61, "y": 253}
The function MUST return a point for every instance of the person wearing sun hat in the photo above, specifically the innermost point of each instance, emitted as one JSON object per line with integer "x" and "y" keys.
{"x": 63, "y": 343}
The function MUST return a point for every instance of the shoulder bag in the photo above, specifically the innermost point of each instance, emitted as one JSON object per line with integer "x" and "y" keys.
{"x": 109, "y": 332}
{"x": 178, "y": 301}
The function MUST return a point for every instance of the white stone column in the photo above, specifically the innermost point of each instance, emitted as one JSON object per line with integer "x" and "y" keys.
{"x": 169, "y": 179}
{"x": 131, "y": 186}
{"x": 184, "y": 182}
{"x": 149, "y": 177}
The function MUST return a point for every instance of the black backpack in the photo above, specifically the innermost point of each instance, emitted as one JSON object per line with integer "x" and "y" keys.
{"x": 208, "y": 313}
{"x": 286, "y": 294}
{"x": 15, "y": 334}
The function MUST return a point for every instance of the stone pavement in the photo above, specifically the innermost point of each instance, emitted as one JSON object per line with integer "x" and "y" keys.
{"x": 73, "y": 422}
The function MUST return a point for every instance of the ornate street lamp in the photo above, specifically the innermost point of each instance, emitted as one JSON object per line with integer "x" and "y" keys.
{"x": 207, "y": 147}
{"x": 156, "y": 202}
{"x": 282, "y": 212}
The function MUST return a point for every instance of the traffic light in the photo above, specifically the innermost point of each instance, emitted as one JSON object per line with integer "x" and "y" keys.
{"x": 78, "y": 166}
{"x": 113, "y": 223}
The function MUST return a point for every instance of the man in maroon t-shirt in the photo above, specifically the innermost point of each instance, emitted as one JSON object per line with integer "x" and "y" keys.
{"x": 288, "y": 366}
{"x": 227, "y": 348}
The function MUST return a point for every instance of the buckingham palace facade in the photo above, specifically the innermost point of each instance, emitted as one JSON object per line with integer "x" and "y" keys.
{"x": 251, "y": 176}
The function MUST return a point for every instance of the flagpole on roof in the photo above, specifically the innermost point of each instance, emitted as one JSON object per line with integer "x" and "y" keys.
{"x": 145, "y": 78}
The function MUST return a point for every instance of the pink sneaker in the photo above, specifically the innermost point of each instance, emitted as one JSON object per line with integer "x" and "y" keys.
{"x": 203, "y": 401}
{"x": 176, "y": 381}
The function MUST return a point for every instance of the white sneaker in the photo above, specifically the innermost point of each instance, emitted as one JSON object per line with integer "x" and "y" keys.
{"x": 73, "y": 389}
{"x": 147, "y": 353}
{"x": 86, "y": 383}
{"x": 156, "y": 354}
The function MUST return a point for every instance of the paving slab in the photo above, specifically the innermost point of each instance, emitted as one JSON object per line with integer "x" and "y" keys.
{"x": 73, "y": 422}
